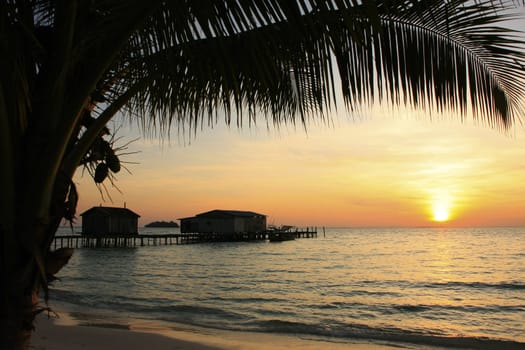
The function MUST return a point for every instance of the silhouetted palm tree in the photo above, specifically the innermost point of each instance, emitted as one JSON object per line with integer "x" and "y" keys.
{"x": 68, "y": 66}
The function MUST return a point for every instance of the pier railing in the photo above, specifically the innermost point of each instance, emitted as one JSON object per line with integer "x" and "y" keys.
{"x": 141, "y": 240}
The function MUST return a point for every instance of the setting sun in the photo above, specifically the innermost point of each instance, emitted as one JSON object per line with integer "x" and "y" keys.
{"x": 441, "y": 206}
{"x": 441, "y": 214}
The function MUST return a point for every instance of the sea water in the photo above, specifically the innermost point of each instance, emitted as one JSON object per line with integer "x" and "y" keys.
{"x": 450, "y": 287}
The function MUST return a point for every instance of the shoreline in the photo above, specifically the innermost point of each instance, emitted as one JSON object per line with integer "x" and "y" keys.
{"x": 69, "y": 333}
{"x": 71, "y": 327}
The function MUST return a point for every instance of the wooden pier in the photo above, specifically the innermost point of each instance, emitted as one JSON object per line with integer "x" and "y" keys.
{"x": 130, "y": 241}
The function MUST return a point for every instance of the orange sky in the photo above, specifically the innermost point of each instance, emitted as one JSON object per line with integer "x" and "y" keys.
{"x": 380, "y": 169}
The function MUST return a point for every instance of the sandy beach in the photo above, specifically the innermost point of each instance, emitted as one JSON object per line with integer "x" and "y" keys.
{"x": 65, "y": 333}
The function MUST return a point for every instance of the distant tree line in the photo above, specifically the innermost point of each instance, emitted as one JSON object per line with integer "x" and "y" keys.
{"x": 162, "y": 224}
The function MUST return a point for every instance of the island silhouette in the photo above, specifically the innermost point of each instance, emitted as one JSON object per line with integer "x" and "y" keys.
{"x": 162, "y": 224}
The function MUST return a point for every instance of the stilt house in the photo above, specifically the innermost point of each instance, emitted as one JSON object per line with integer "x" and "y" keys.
{"x": 109, "y": 221}
{"x": 224, "y": 221}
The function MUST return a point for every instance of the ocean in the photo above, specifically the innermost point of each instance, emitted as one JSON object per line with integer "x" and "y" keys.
{"x": 446, "y": 287}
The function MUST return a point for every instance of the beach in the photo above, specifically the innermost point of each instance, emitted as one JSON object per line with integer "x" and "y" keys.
{"x": 66, "y": 333}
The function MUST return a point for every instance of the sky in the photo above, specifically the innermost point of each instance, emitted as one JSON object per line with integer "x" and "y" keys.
{"x": 383, "y": 167}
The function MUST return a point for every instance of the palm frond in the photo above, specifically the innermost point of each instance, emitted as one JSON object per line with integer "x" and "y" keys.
{"x": 244, "y": 57}
{"x": 453, "y": 55}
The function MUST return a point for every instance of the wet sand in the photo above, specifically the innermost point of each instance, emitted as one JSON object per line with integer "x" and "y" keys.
{"x": 66, "y": 333}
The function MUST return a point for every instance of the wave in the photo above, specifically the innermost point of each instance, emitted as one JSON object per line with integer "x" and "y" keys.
{"x": 286, "y": 322}
{"x": 504, "y": 285}
{"x": 247, "y": 300}
{"x": 461, "y": 308}
{"x": 392, "y": 308}
{"x": 357, "y": 331}
{"x": 215, "y": 306}
{"x": 478, "y": 285}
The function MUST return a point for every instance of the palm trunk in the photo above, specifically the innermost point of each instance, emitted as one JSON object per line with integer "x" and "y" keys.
{"x": 24, "y": 269}
{"x": 16, "y": 321}
{"x": 18, "y": 294}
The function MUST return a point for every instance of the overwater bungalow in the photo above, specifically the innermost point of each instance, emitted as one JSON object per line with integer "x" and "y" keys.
{"x": 224, "y": 221}
{"x": 109, "y": 221}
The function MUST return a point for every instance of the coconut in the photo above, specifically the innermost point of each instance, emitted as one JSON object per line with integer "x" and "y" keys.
{"x": 101, "y": 172}
{"x": 113, "y": 162}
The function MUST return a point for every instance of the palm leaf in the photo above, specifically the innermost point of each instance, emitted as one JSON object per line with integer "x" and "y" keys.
{"x": 264, "y": 57}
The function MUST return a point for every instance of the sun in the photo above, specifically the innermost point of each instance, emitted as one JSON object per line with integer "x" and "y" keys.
{"x": 441, "y": 214}
{"x": 441, "y": 210}
{"x": 441, "y": 205}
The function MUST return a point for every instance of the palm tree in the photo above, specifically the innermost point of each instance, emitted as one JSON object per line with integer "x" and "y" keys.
{"x": 68, "y": 66}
